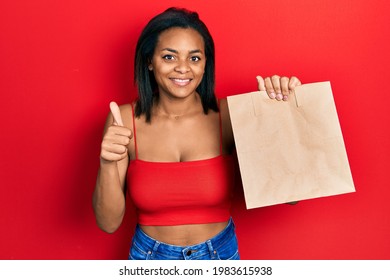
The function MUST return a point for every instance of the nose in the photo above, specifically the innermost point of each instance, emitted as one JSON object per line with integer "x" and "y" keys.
{"x": 182, "y": 67}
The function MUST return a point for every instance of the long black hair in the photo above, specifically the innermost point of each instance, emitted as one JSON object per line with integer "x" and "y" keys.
{"x": 144, "y": 79}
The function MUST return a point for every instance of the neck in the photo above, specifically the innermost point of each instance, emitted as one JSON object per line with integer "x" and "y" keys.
{"x": 177, "y": 107}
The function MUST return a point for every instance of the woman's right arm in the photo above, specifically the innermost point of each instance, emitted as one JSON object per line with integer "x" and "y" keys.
{"x": 109, "y": 195}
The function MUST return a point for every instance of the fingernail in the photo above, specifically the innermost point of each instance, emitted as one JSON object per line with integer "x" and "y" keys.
{"x": 285, "y": 97}
{"x": 279, "y": 96}
{"x": 272, "y": 95}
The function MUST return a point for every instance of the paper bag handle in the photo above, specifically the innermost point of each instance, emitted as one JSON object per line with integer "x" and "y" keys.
{"x": 262, "y": 96}
{"x": 299, "y": 97}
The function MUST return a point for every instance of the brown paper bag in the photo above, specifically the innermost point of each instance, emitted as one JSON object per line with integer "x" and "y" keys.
{"x": 289, "y": 151}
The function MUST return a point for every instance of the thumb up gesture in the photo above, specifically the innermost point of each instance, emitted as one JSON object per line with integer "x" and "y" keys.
{"x": 117, "y": 137}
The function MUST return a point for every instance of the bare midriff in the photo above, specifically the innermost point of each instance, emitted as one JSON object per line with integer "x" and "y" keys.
{"x": 184, "y": 235}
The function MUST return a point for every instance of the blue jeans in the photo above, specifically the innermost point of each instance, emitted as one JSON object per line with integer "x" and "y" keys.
{"x": 223, "y": 246}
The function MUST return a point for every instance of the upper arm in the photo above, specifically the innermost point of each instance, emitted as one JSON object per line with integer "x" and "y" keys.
{"x": 227, "y": 130}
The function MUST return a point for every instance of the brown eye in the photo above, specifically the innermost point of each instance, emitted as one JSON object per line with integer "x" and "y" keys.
{"x": 195, "y": 58}
{"x": 168, "y": 57}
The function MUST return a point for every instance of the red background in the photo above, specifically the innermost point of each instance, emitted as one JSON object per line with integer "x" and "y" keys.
{"x": 61, "y": 62}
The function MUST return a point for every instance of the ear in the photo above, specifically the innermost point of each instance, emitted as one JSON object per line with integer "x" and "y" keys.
{"x": 150, "y": 65}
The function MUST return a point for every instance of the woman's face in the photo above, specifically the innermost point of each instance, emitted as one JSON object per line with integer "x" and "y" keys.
{"x": 178, "y": 62}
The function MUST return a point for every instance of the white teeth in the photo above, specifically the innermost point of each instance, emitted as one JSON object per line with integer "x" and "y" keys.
{"x": 181, "y": 80}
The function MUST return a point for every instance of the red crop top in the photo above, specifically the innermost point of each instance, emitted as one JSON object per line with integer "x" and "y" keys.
{"x": 178, "y": 193}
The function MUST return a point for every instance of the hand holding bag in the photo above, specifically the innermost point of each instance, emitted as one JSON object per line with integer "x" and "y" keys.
{"x": 289, "y": 150}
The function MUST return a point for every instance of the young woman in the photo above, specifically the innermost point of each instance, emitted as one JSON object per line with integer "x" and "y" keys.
{"x": 173, "y": 147}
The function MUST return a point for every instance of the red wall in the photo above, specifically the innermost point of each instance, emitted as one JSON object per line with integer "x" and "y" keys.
{"x": 61, "y": 62}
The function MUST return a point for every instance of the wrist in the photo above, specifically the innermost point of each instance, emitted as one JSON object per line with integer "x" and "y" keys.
{"x": 104, "y": 162}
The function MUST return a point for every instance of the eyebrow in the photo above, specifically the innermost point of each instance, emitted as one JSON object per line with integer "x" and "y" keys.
{"x": 175, "y": 51}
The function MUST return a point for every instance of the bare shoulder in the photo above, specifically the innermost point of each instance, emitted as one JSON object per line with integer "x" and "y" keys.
{"x": 223, "y": 103}
{"x": 127, "y": 118}
{"x": 127, "y": 115}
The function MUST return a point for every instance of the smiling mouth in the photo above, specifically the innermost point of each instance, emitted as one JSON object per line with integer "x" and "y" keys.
{"x": 180, "y": 82}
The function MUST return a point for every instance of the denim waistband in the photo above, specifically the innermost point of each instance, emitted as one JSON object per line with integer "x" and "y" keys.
{"x": 209, "y": 247}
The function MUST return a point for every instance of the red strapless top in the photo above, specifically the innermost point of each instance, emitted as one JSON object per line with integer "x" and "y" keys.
{"x": 178, "y": 193}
